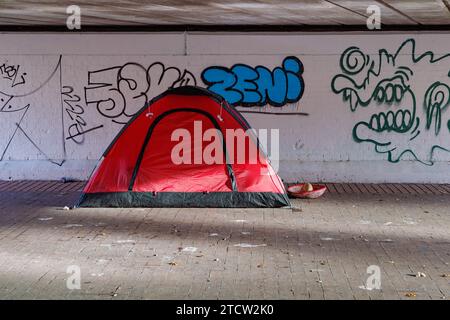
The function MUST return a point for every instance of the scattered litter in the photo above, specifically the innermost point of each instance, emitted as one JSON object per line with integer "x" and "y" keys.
{"x": 366, "y": 288}
{"x": 100, "y": 224}
{"x": 102, "y": 261}
{"x": 66, "y": 208}
{"x": 445, "y": 275}
{"x": 239, "y": 220}
{"x": 126, "y": 241}
{"x": 114, "y": 293}
{"x": 199, "y": 255}
{"x": 327, "y": 239}
{"x": 419, "y": 275}
{"x": 392, "y": 262}
{"x": 172, "y": 263}
{"x": 213, "y": 234}
{"x": 248, "y": 245}
{"x": 315, "y": 270}
{"x": 246, "y": 232}
{"x": 322, "y": 263}
{"x": 68, "y": 179}
{"x": 411, "y": 294}
{"x": 189, "y": 249}
{"x": 97, "y": 274}
{"x": 388, "y": 223}
{"x": 174, "y": 229}
{"x": 45, "y": 218}
{"x": 386, "y": 240}
{"x": 73, "y": 225}
{"x": 216, "y": 259}
{"x": 319, "y": 281}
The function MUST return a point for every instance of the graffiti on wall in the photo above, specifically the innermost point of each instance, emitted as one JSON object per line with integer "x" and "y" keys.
{"x": 406, "y": 114}
{"x": 12, "y": 74}
{"x": 21, "y": 116}
{"x": 257, "y": 86}
{"x": 78, "y": 126}
{"x": 121, "y": 91}
{"x": 107, "y": 97}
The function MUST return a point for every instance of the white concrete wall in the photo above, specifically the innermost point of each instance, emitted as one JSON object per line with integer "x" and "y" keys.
{"x": 46, "y": 97}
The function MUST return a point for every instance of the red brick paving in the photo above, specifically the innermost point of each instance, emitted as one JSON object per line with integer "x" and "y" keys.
{"x": 339, "y": 188}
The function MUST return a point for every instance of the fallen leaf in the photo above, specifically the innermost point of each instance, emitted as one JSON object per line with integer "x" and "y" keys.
{"x": 411, "y": 294}
{"x": 172, "y": 263}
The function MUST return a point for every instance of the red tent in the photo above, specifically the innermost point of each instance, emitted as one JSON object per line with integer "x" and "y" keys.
{"x": 138, "y": 168}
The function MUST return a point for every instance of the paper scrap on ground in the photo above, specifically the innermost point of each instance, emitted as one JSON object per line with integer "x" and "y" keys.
{"x": 101, "y": 261}
{"x": 366, "y": 288}
{"x": 45, "y": 218}
{"x": 100, "y": 224}
{"x": 248, "y": 245}
{"x": 328, "y": 239}
{"x": 189, "y": 249}
{"x": 73, "y": 225}
{"x": 125, "y": 241}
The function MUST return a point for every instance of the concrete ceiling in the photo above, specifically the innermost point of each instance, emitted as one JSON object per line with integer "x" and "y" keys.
{"x": 26, "y": 13}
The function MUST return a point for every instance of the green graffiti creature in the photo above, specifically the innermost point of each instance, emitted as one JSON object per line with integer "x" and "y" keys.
{"x": 407, "y": 96}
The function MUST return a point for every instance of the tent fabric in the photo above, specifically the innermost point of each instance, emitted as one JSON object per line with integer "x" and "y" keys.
{"x": 137, "y": 170}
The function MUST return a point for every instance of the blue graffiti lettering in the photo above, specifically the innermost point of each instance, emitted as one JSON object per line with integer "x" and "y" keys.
{"x": 247, "y": 86}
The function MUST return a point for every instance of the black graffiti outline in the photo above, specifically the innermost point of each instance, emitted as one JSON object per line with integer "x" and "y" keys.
{"x": 182, "y": 78}
{"x": 19, "y": 127}
{"x": 26, "y": 108}
{"x": 75, "y": 115}
{"x": 3, "y": 71}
